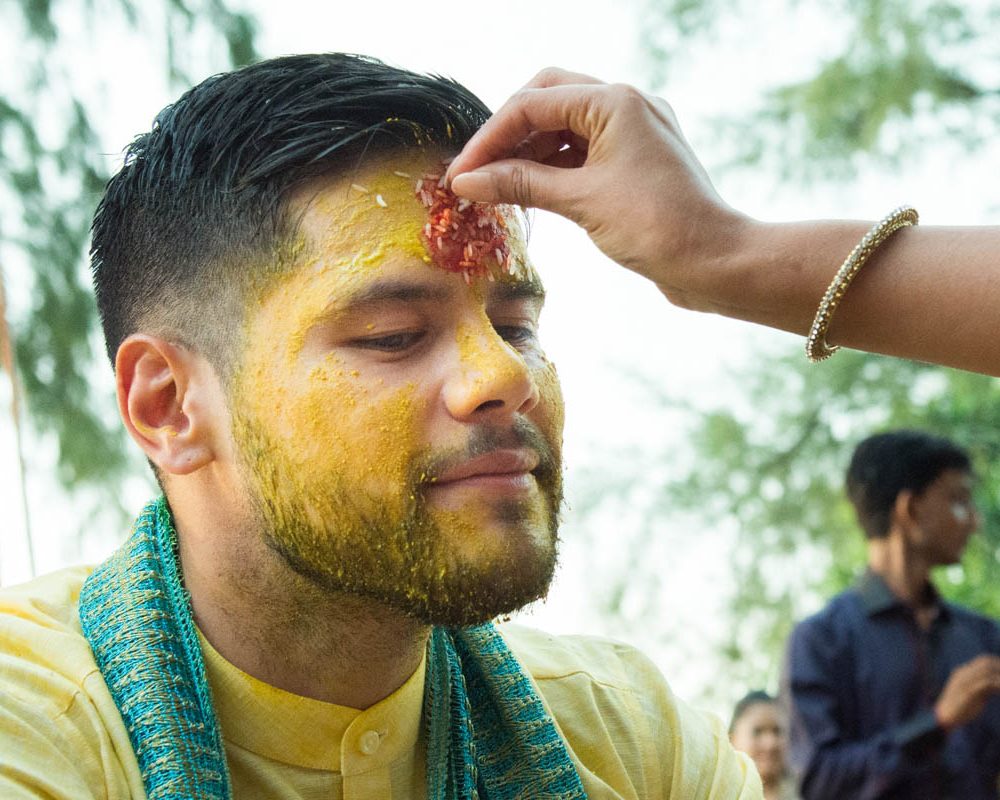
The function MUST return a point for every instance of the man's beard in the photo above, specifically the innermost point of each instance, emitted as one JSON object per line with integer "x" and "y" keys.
{"x": 395, "y": 549}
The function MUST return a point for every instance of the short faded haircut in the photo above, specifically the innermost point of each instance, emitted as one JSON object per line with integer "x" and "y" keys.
{"x": 888, "y": 463}
{"x": 199, "y": 211}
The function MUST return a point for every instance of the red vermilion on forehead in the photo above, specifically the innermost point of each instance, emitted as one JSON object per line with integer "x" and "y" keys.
{"x": 462, "y": 236}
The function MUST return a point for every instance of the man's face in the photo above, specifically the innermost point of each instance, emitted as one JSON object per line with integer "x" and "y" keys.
{"x": 946, "y": 517}
{"x": 399, "y": 428}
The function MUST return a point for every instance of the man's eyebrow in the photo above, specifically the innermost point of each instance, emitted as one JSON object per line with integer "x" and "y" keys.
{"x": 392, "y": 292}
{"x": 517, "y": 290}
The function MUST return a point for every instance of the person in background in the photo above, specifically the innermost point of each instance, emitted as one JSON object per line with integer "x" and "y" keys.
{"x": 892, "y": 691}
{"x": 758, "y": 729}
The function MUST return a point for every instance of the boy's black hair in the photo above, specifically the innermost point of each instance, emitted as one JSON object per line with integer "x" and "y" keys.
{"x": 886, "y": 464}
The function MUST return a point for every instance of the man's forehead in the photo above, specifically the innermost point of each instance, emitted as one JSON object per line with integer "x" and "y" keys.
{"x": 371, "y": 181}
{"x": 952, "y": 479}
{"x": 960, "y": 478}
{"x": 394, "y": 196}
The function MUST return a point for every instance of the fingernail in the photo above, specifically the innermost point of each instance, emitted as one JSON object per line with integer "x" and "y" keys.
{"x": 478, "y": 185}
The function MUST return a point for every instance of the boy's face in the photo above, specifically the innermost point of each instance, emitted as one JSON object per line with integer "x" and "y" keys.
{"x": 946, "y": 517}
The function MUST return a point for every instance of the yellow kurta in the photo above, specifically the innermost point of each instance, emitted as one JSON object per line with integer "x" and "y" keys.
{"x": 61, "y": 735}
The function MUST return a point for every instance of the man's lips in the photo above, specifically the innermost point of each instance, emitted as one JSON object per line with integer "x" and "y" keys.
{"x": 498, "y": 465}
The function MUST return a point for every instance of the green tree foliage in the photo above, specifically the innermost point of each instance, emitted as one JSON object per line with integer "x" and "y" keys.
{"x": 53, "y": 168}
{"x": 903, "y": 73}
{"x": 769, "y": 474}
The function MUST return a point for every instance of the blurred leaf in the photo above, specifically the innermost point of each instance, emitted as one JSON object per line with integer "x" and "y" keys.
{"x": 52, "y": 173}
{"x": 38, "y": 15}
{"x": 899, "y": 65}
{"x": 771, "y": 473}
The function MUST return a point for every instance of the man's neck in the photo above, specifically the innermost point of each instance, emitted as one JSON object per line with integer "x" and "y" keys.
{"x": 284, "y": 630}
{"x": 906, "y": 573}
{"x": 772, "y": 788}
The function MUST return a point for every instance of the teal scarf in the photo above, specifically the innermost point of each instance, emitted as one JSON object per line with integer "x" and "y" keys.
{"x": 488, "y": 735}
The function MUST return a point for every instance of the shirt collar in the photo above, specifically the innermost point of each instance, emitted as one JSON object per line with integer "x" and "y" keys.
{"x": 310, "y": 733}
{"x": 876, "y": 596}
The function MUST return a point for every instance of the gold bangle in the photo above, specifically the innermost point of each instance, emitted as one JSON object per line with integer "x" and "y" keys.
{"x": 816, "y": 347}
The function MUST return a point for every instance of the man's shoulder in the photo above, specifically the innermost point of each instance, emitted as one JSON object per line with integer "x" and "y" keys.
{"x": 987, "y": 626}
{"x": 629, "y": 734}
{"x": 40, "y": 635}
{"x": 592, "y": 682}
{"x": 830, "y": 630}
{"x": 843, "y": 608}
{"x": 58, "y": 724}
{"x": 48, "y": 603}
{"x": 550, "y": 657}
{"x": 49, "y": 600}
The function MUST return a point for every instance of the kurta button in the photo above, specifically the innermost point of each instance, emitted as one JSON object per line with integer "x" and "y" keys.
{"x": 368, "y": 742}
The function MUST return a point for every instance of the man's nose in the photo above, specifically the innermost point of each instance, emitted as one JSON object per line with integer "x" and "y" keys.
{"x": 773, "y": 740}
{"x": 491, "y": 379}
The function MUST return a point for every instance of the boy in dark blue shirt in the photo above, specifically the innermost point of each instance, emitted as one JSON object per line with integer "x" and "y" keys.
{"x": 893, "y": 691}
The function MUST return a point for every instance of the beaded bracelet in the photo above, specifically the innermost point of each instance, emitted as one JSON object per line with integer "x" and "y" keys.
{"x": 816, "y": 347}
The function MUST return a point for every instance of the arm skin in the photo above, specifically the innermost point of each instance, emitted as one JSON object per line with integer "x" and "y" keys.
{"x": 968, "y": 690}
{"x": 615, "y": 161}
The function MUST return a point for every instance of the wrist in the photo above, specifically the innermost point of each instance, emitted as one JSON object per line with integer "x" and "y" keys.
{"x": 748, "y": 273}
{"x": 781, "y": 271}
{"x": 700, "y": 276}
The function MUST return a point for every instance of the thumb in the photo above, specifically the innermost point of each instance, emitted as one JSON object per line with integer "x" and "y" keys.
{"x": 519, "y": 182}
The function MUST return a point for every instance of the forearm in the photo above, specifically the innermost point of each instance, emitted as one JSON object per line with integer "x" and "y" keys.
{"x": 928, "y": 293}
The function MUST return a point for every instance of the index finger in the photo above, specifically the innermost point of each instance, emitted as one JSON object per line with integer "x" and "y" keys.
{"x": 532, "y": 110}
{"x": 554, "y": 76}
{"x": 985, "y": 662}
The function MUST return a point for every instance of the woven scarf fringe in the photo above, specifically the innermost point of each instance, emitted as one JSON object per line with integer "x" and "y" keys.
{"x": 137, "y": 617}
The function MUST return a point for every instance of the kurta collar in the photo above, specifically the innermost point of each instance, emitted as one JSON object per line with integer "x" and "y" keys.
{"x": 311, "y": 733}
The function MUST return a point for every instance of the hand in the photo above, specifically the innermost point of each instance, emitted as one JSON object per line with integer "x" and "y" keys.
{"x": 967, "y": 691}
{"x": 613, "y": 160}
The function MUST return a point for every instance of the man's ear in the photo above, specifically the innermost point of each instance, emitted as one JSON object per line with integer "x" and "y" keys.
{"x": 904, "y": 511}
{"x": 168, "y": 398}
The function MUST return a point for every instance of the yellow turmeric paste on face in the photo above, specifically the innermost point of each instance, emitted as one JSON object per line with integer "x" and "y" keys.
{"x": 327, "y": 418}
{"x": 330, "y": 453}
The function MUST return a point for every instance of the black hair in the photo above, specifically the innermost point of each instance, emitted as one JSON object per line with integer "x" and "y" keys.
{"x": 749, "y": 699}
{"x": 199, "y": 209}
{"x": 886, "y": 464}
